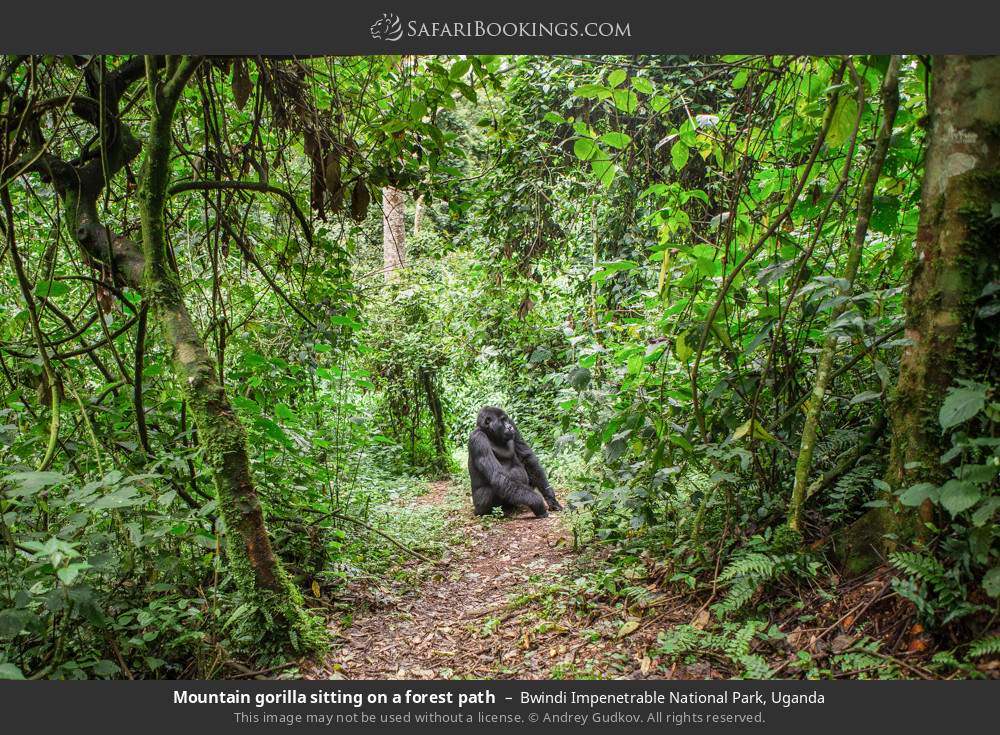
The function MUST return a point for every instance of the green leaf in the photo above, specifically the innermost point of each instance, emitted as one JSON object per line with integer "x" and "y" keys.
{"x": 616, "y": 140}
{"x": 682, "y": 349}
{"x": 585, "y": 148}
{"x": 625, "y": 100}
{"x": 604, "y": 170}
{"x": 679, "y": 153}
{"x": 579, "y": 378}
{"x": 957, "y": 495}
{"x": 343, "y": 321}
{"x": 273, "y": 430}
{"x": 868, "y": 395}
{"x": 917, "y": 494}
{"x": 842, "y": 124}
{"x": 394, "y": 126}
{"x": 759, "y": 432}
{"x": 641, "y": 84}
{"x": 539, "y": 354}
{"x": 68, "y": 574}
{"x": 962, "y": 404}
{"x": 659, "y": 103}
{"x": 50, "y": 289}
{"x": 616, "y": 77}
{"x": 592, "y": 91}
{"x": 123, "y": 498}
{"x": 10, "y": 672}
{"x": 622, "y": 265}
{"x": 460, "y": 68}
{"x": 104, "y": 667}
{"x": 985, "y": 511}
{"x": 629, "y": 626}
{"x": 991, "y": 582}
{"x": 13, "y": 621}
{"x": 31, "y": 482}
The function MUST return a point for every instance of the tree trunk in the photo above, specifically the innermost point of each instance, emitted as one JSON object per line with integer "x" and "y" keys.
{"x": 393, "y": 232}
{"x": 258, "y": 574}
{"x": 418, "y": 214}
{"x": 957, "y": 254}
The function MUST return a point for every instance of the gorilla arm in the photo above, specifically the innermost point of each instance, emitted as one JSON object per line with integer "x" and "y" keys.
{"x": 536, "y": 474}
{"x": 501, "y": 487}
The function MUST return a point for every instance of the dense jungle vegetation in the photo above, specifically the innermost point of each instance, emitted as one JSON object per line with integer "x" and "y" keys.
{"x": 745, "y": 308}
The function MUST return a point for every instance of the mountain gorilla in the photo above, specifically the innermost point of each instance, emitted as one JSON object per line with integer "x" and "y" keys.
{"x": 503, "y": 469}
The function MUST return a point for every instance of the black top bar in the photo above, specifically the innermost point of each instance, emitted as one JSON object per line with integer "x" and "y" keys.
{"x": 515, "y": 26}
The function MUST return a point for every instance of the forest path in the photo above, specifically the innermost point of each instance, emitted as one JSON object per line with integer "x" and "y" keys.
{"x": 461, "y": 623}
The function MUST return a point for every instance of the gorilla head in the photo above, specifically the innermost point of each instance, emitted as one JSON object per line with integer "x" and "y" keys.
{"x": 496, "y": 423}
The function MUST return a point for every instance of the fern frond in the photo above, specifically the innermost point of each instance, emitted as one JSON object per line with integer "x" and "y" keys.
{"x": 985, "y": 647}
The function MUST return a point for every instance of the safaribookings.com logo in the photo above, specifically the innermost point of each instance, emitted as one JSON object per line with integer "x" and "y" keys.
{"x": 387, "y": 28}
{"x": 390, "y": 28}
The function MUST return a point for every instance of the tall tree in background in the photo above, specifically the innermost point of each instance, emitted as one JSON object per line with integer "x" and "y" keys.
{"x": 957, "y": 255}
{"x": 393, "y": 232}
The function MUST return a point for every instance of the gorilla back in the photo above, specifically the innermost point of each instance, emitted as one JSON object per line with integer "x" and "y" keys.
{"x": 503, "y": 469}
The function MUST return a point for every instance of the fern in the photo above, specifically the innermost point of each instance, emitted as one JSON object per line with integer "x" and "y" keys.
{"x": 677, "y": 641}
{"x": 752, "y": 570}
{"x": 754, "y": 564}
{"x": 985, "y": 647}
{"x": 734, "y": 642}
{"x": 925, "y": 568}
{"x": 937, "y": 592}
{"x": 853, "y": 488}
{"x": 836, "y": 443}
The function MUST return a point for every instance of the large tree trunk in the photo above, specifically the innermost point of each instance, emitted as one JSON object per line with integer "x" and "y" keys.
{"x": 957, "y": 254}
{"x": 257, "y": 572}
{"x": 393, "y": 232}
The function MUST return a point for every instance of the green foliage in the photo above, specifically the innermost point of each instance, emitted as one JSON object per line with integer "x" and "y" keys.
{"x": 638, "y": 258}
{"x": 734, "y": 642}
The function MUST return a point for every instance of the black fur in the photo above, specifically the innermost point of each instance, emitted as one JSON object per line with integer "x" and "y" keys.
{"x": 504, "y": 471}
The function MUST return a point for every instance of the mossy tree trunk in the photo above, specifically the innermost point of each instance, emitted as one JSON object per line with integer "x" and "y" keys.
{"x": 147, "y": 268}
{"x": 253, "y": 563}
{"x": 957, "y": 254}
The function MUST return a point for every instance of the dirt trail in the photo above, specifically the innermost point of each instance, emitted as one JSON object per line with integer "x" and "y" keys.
{"x": 459, "y": 623}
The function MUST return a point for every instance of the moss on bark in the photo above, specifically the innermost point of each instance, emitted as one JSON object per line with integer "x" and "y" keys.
{"x": 957, "y": 253}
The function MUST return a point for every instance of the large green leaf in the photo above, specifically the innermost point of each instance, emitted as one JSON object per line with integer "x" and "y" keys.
{"x": 585, "y": 148}
{"x": 962, "y": 404}
{"x": 958, "y": 495}
{"x": 625, "y": 100}
{"x": 616, "y": 140}
{"x": 917, "y": 494}
{"x": 50, "y": 289}
{"x": 10, "y": 671}
{"x": 991, "y": 582}
{"x": 579, "y": 378}
{"x": 616, "y": 77}
{"x": 679, "y": 153}
{"x": 842, "y": 124}
{"x": 29, "y": 483}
